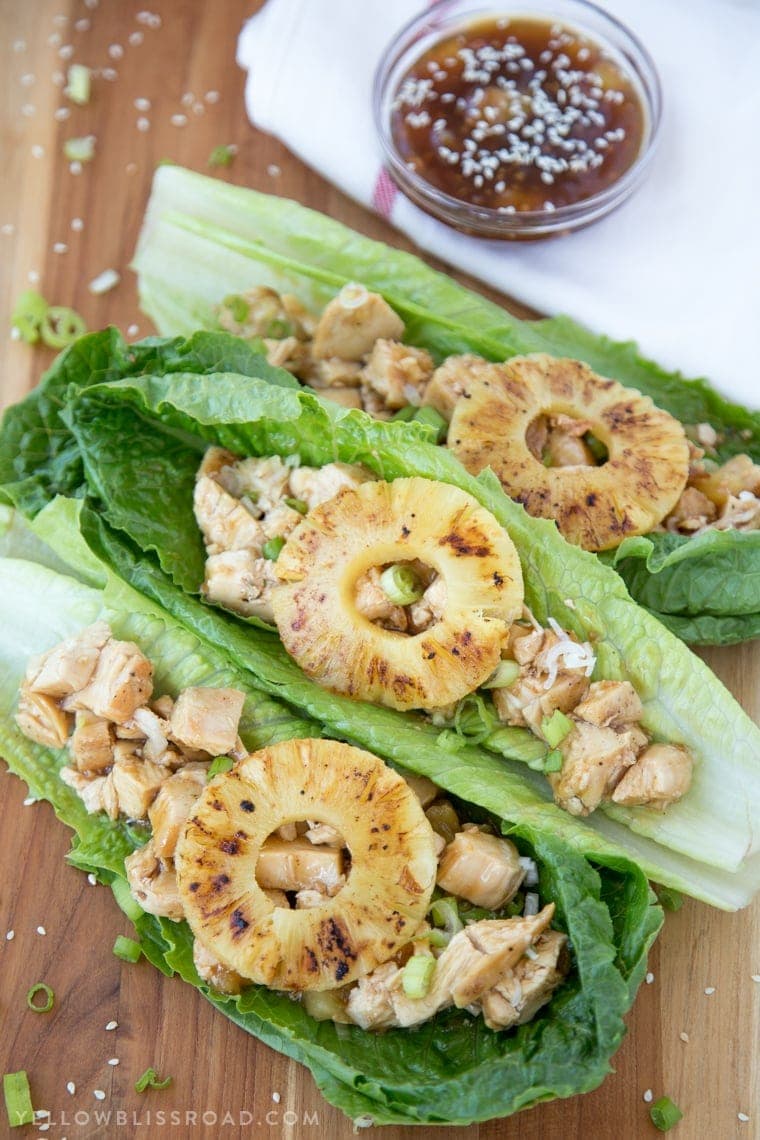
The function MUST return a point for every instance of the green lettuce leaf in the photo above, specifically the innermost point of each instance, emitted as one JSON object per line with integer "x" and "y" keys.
{"x": 450, "y": 1070}
{"x": 203, "y": 239}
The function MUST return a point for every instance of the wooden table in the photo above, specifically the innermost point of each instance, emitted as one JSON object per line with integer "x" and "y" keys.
{"x": 681, "y": 1042}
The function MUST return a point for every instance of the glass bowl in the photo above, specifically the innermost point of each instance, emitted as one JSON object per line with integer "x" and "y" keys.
{"x": 447, "y": 17}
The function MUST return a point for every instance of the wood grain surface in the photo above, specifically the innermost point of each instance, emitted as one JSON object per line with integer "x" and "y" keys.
{"x": 234, "y": 1086}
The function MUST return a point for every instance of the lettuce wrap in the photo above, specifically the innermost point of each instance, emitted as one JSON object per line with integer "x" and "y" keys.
{"x": 124, "y": 428}
{"x": 204, "y": 239}
{"x": 448, "y": 1070}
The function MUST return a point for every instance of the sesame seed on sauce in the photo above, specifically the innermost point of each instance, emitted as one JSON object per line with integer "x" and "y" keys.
{"x": 518, "y": 115}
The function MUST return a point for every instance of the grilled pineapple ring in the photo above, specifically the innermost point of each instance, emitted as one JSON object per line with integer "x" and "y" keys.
{"x": 393, "y": 865}
{"x": 594, "y": 507}
{"x": 378, "y": 523}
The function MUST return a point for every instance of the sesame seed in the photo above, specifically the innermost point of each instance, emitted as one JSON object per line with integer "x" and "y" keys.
{"x": 178, "y": 120}
{"x": 19, "y": 46}
{"x": 684, "y": 1037}
{"x": 114, "y": 1061}
{"x": 649, "y": 979}
{"x": 8, "y": 229}
{"x": 276, "y": 1097}
{"x": 648, "y": 1095}
{"x": 54, "y": 39}
{"x": 82, "y": 25}
{"x": 135, "y": 39}
{"x": 273, "y": 170}
{"x": 27, "y": 80}
{"x": 98, "y": 1094}
{"x": 60, "y": 20}
{"x": 29, "y": 801}
{"x": 187, "y": 99}
{"x": 28, "y": 109}
{"x": 38, "y": 151}
{"x": 131, "y": 167}
{"x": 143, "y": 124}
{"x": 15, "y": 333}
{"x": 58, "y": 78}
{"x": 709, "y": 990}
{"x": 77, "y": 225}
{"x": 112, "y": 1025}
{"x": 91, "y": 879}
{"x": 10, "y": 936}
{"x": 71, "y": 1088}
{"x": 62, "y": 114}
{"x": 742, "y": 1116}
{"x": 110, "y": 73}
{"x": 41, "y": 930}
{"x": 756, "y": 977}
{"x": 33, "y": 277}
{"x": 199, "y": 109}
{"x": 116, "y": 51}
{"x": 66, "y": 51}
{"x": 133, "y": 330}
{"x": 75, "y": 167}
{"x": 60, "y": 247}
{"x": 142, "y": 104}
{"x": 91, "y": 4}
{"x": 211, "y": 96}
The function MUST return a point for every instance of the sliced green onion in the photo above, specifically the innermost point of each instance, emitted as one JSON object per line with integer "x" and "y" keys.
{"x": 665, "y": 1114}
{"x": 553, "y": 761}
{"x": 77, "y": 88}
{"x": 28, "y": 315}
{"x": 405, "y": 414}
{"x": 516, "y": 906}
{"x": 218, "y": 765}
{"x": 669, "y": 898}
{"x": 474, "y": 718}
{"x": 451, "y": 741}
{"x": 272, "y": 547}
{"x": 123, "y": 896}
{"x": 299, "y": 505}
{"x": 222, "y": 155}
{"x": 238, "y": 307}
{"x": 505, "y": 674}
{"x": 149, "y": 1080}
{"x": 401, "y": 584}
{"x": 40, "y": 988}
{"x": 417, "y": 975}
{"x": 445, "y": 913}
{"x": 431, "y": 418}
{"x": 127, "y": 949}
{"x": 61, "y": 326}
{"x": 278, "y": 330}
{"x": 555, "y": 728}
{"x": 439, "y": 938}
{"x": 81, "y": 149}
{"x": 18, "y": 1099}
{"x": 517, "y": 744}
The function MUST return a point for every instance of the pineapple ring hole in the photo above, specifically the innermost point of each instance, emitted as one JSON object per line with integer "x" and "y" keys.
{"x": 382, "y": 610}
{"x": 290, "y": 861}
{"x": 552, "y": 439}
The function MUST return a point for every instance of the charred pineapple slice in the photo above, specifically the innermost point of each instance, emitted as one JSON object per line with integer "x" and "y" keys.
{"x": 377, "y": 524}
{"x": 393, "y": 865}
{"x": 594, "y": 507}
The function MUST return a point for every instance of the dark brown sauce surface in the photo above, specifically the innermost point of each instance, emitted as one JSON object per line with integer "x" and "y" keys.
{"x": 517, "y": 115}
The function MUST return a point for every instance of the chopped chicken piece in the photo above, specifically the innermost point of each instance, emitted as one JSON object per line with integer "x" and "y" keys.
{"x": 593, "y": 761}
{"x": 263, "y": 481}
{"x": 452, "y": 380}
{"x": 346, "y": 397}
{"x": 303, "y": 322}
{"x": 370, "y": 1002}
{"x": 289, "y": 353}
{"x": 352, "y": 322}
{"x": 172, "y": 806}
{"x": 739, "y": 513}
{"x": 323, "y": 833}
{"x": 703, "y": 434}
{"x": 299, "y": 865}
{"x": 211, "y": 970}
{"x": 95, "y": 792}
{"x": 324, "y": 375}
{"x": 397, "y": 373}
{"x": 122, "y": 681}
{"x": 374, "y": 406}
{"x": 124, "y": 750}
{"x": 425, "y": 790}
{"x": 481, "y": 868}
{"x": 611, "y": 704}
{"x": 68, "y": 667}
{"x": 307, "y": 899}
{"x": 153, "y": 883}
{"x": 242, "y": 582}
{"x": 316, "y": 485}
{"x": 207, "y": 719}
{"x": 42, "y": 719}
{"x": 373, "y": 603}
{"x": 517, "y": 998}
{"x": 280, "y": 521}
{"x": 136, "y": 784}
{"x": 266, "y": 314}
{"x": 737, "y": 475}
{"x": 278, "y": 898}
{"x": 163, "y": 706}
{"x": 660, "y": 776}
{"x": 92, "y": 743}
{"x": 545, "y": 683}
{"x": 431, "y": 606}
{"x": 524, "y": 644}
{"x": 558, "y": 439}
{"x": 692, "y": 511}
{"x": 288, "y": 832}
{"x": 225, "y": 522}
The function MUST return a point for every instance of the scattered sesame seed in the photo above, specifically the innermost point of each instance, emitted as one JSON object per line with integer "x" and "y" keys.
{"x": 59, "y": 247}
{"x": 133, "y": 330}
{"x": 756, "y": 977}
{"x": 648, "y": 1095}
{"x": 54, "y": 39}
{"x": 15, "y": 333}
{"x": 136, "y": 38}
{"x": 71, "y": 1088}
{"x": 709, "y": 990}
{"x": 143, "y": 124}
{"x": 92, "y": 879}
{"x": 142, "y": 104}
{"x": 27, "y": 80}
{"x": 178, "y": 120}
{"x": 110, "y": 74}
{"x": 742, "y": 1116}
{"x": 276, "y": 1097}
{"x": 131, "y": 167}
{"x": 62, "y": 114}
{"x": 29, "y": 801}
{"x": 187, "y": 99}
{"x": 75, "y": 167}
{"x": 82, "y": 25}
{"x": 60, "y": 20}
{"x": 684, "y": 1037}
{"x": 114, "y": 1061}
{"x": 33, "y": 277}
{"x": 98, "y": 1094}
{"x": 116, "y": 51}
{"x": 10, "y": 936}
{"x": 66, "y": 51}
{"x": 104, "y": 282}
{"x": 273, "y": 170}
{"x": 28, "y": 109}
{"x": 649, "y": 978}
{"x": 19, "y": 46}
{"x": 211, "y": 96}
{"x": 8, "y": 228}
{"x": 41, "y": 930}
{"x": 58, "y": 78}
{"x": 44, "y": 1125}
{"x": 38, "y": 151}
{"x": 198, "y": 109}
{"x": 112, "y": 1025}
{"x": 77, "y": 225}
{"x": 91, "y": 4}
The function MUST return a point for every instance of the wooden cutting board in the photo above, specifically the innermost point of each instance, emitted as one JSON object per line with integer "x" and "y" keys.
{"x": 700, "y": 1049}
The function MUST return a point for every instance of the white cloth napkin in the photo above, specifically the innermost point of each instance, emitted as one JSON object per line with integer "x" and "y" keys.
{"x": 677, "y": 267}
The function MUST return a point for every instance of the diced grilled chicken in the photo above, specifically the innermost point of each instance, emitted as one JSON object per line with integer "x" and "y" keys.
{"x": 480, "y": 868}
{"x": 299, "y": 865}
{"x": 346, "y": 397}
{"x": 611, "y": 704}
{"x": 41, "y": 718}
{"x": 68, "y": 666}
{"x": 660, "y": 776}
{"x": 211, "y": 970}
{"x": 323, "y": 834}
{"x": 280, "y": 521}
{"x": 375, "y": 605}
{"x": 242, "y": 582}
{"x": 262, "y": 312}
{"x": 263, "y": 481}
{"x": 397, "y": 373}
{"x": 136, "y": 784}
{"x": 352, "y": 322}
{"x": 163, "y": 706}
{"x": 692, "y": 511}
{"x": 278, "y": 898}
{"x": 207, "y": 719}
{"x": 333, "y": 373}
{"x": 92, "y": 743}
{"x": 122, "y": 681}
{"x": 529, "y": 985}
{"x": 288, "y": 832}
{"x": 155, "y": 731}
{"x": 316, "y": 485}
{"x": 226, "y": 524}
{"x": 170, "y": 809}
{"x": 307, "y": 899}
{"x": 737, "y": 475}
{"x": 370, "y": 1003}
{"x": 451, "y": 381}
{"x": 546, "y": 681}
{"x": 558, "y": 439}
{"x": 431, "y": 606}
{"x": 594, "y": 759}
{"x": 153, "y": 883}
{"x": 95, "y": 792}
{"x": 425, "y": 790}
{"x": 289, "y": 353}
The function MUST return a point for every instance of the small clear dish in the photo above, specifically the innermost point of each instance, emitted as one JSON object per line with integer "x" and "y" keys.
{"x": 439, "y": 24}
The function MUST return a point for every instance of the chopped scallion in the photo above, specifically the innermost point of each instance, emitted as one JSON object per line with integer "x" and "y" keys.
{"x": 555, "y": 728}
{"x": 439, "y": 938}
{"x": 505, "y": 674}
{"x": 77, "y": 88}
{"x": 61, "y": 326}
{"x": 221, "y": 156}
{"x": 127, "y": 949}
{"x": 218, "y": 765}
{"x": 18, "y": 1099}
{"x": 417, "y": 975}
{"x": 278, "y": 330}
{"x": 432, "y": 419}
{"x": 28, "y": 315}
{"x": 299, "y": 505}
{"x": 406, "y": 413}
{"x": 445, "y": 913}
{"x": 81, "y": 149}
{"x": 401, "y": 584}
{"x": 272, "y": 547}
{"x": 665, "y": 1114}
{"x": 149, "y": 1080}
{"x": 123, "y": 896}
{"x": 40, "y": 988}
{"x": 553, "y": 761}
{"x": 238, "y": 307}
{"x": 451, "y": 741}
